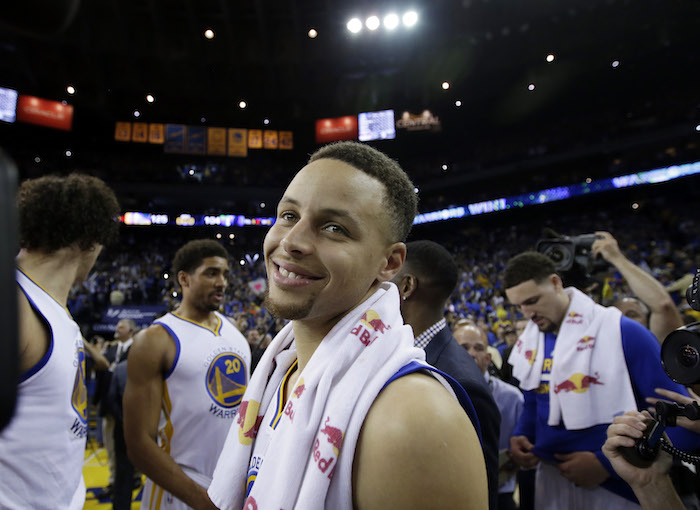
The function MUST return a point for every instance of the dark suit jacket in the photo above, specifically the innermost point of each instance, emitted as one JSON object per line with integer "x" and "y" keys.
{"x": 444, "y": 353}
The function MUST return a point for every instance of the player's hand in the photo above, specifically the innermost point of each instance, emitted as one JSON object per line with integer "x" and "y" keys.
{"x": 606, "y": 247}
{"x": 582, "y": 468}
{"x": 622, "y": 433}
{"x": 521, "y": 452}
{"x": 681, "y": 399}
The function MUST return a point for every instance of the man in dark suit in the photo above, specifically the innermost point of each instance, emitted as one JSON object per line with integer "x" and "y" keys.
{"x": 425, "y": 282}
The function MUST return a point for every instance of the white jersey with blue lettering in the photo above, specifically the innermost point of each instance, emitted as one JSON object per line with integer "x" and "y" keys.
{"x": 43, "y": 447}
{"x": 201, "y": 395}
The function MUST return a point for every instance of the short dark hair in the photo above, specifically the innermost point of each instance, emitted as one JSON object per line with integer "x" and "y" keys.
{"x": 190, "y": 256}
{"x": 58, "y": 212}
{"x": 402, "y": 201}
{"x": 529, "y": 265}
{"x": 435, "y": 265}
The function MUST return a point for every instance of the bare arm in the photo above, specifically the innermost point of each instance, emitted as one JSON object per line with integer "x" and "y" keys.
{"x": 418, "y": 457}
{"x": 33, "y": 336}
{"x": 665, "y": 317}
{"x": 150, "y": 356}
{"x": 101, "y": 363}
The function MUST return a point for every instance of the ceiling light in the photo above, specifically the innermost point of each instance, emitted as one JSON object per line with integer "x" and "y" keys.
{"x": 137, "y": 114}
{"x": 150, "y": 98}
{"x": 458, "y": 103}
{"x": 218, "y": 236}
{"x": 209, "y": 33}
{"x": 313, "y": 33}
{"x": 354, "y": 25}
{"x": 372, "y": 23}
{"x": 266, "y": 121}
{"x": 262, "y": 205}
{"x": 445, "y": 85}
{"x": 415, "y": 190}
{"x": 242, "y": 105}
{"x": 635, "y": 206}
{"x": 241, "y": 262}
{"x": 70, "y": 89}
{"x": 550, "y": 58}
{"x": 68, "y": 153}
{"x": 231, "y": 236}
{"x": 531, "y": 86}
{"x": 410, "y": 18}
{"x": 615, "y": 63}
{"x": 166, "y": 276}
{"x": 444, "y": 167}
{"x": 191, "y": 172}
{"x": 37, "y": 159}
{"x": 391, "y": 21}
{"x": 697, "y": 128}
{"x": 203, "y": 120}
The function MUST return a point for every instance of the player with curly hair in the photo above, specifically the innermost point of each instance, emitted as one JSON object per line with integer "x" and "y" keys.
{"x": 64, "y": 223}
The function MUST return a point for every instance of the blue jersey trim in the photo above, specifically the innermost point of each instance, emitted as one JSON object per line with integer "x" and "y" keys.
{"x": 462, "y": 396}
{"x": 177, "y": 347}
{"x": 45, "y": 358}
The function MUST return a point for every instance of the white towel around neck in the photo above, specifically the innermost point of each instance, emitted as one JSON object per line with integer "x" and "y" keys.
{"x": 328, "y": 406}
{"x": 589, "y": 383}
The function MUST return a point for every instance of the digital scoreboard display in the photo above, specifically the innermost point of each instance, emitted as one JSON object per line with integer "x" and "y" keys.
{"x": 377, "y": 126}
{"x": 8, "y": 105}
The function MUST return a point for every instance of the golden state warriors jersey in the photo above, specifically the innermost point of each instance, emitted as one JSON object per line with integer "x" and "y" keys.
{"x": 43, "y": 447}
{"x": 201, "y": 395}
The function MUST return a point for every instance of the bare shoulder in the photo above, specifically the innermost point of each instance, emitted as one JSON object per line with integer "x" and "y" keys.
{"x": 153, "y": 349}
{"x": 418, "y": 449}
{"x": 33, "y": 334}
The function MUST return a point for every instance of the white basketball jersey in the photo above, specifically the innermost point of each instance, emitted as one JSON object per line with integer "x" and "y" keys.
{"x": 43, "y": 447}
{"x": 201, "y": 395}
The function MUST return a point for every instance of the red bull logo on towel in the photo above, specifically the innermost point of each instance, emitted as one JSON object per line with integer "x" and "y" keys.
{"x": 299, "y": 390}
{"x": 530, "y": 356}
{"x": 334, "y": 436}
{"x": 587, "y": 342}
{"x": 578, "y": 383}
{"x": 248, "y": 421}
{"x": 370, "y": 327}
{"x": 574, "y": 318}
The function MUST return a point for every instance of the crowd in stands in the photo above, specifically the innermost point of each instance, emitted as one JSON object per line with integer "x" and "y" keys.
{"x": 136, "y": 273}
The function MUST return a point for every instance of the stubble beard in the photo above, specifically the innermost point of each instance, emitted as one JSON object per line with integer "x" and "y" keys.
{"x": 292, "y": 311}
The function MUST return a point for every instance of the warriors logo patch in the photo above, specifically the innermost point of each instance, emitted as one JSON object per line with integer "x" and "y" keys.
{"x": 79, "y": 397}
{"x": 226, "y": 380}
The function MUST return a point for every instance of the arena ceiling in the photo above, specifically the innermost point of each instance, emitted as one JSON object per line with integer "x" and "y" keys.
{"x": 115, "y": 52}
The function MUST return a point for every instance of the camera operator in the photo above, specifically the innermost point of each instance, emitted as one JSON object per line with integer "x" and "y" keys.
{"x": 654, "y": 309}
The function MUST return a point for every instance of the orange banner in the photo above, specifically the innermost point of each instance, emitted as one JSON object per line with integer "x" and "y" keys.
{"x": 122, "y": 132}
{"x": 255, "y": 139}
{"x": 139, "y": 132}
{"x": 238, "y": 142}
{"x": 156, "y": 133}
{"x": 216, "y": 141}
{"x": 270, "y": 139}
{"x": 286, "y": 140}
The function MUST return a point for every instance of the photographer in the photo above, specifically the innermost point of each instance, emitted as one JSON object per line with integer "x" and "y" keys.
{"x": 654, "y": 308}
{"x": 651, "y": 485}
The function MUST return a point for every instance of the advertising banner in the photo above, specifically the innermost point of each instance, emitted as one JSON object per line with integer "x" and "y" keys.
{"x": 43, "y": 112}
{"x": 122, "y": 132}
{"x": 143, "y": 316}
{"x": 216, "y": 141}
{"x": 238, "y": 142}
{"x": 139, "y": 132}
{"x": 339, "y": 128}
{"x": 426, "y": 121}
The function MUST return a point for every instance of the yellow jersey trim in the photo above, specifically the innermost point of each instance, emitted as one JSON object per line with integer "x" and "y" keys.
{"x": 46, "y": 291}
{"x": 216, "y": 330}
{"x": 280, "y": 395}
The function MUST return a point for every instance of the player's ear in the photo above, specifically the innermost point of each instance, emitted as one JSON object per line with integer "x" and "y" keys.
{"x": 394, "y": 257}
{"x": 183, "y": 278}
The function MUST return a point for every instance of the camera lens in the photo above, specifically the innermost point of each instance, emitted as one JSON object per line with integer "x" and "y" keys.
{"x": 688, "y": 356}
{"x": 556, "y": 255}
